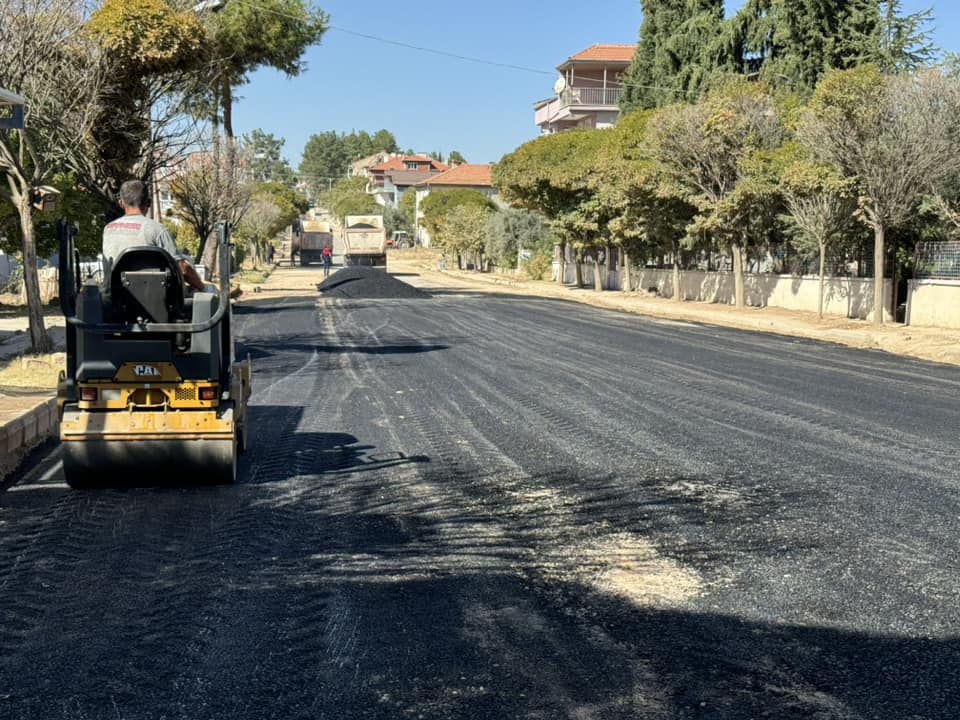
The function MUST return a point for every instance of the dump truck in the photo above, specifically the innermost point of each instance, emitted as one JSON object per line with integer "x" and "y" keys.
{"x": 151, "y": 392}
{"x": 364, "y": 240}
{"x": 313, "y": 237}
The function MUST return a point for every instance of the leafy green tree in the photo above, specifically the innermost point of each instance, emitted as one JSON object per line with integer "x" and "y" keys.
{"x": 514, "y": 229}
{"x": 357, "y": 145}
{"x": 716, "y": 150}
{"x": 648, "y": 212}
{"x": 324, "y": 160}
{"x": 384, "y": 141}
{"x": 327, "y": 155}
{"x": 902, "y": 41}
{"x": 73, "y": 202}
{"x": 439, "y": 203}
{"x": 553, "y": 175}
{"x": 408, "y": 206}
{"x": 676, "y": 52}
{"x": 455, "y": 158}
{"x": 245, "y": 36}
{"x": 260, "y": 223}
{"x": 821, "y": 204}
{"x": 152, "y": 54}
{"x": 799, "y": 42}
{"x": 464, "y": 232}
{"x": 263, "y": 159}
{"x": 290, "y": 203}
{"x": 184, "y": 236}
{"x": 359, "y": 204}
{"x": 394, "y": 219}
{"x": 348, "y": 196}
{"x": 895, "y": 136}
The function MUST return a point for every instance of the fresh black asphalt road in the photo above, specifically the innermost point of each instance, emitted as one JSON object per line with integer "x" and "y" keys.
{"x": 488, "y": 506}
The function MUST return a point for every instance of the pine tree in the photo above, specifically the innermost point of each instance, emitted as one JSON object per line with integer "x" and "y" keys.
{"x": 902, "y": 42}
{"x": 798, "y": 41}
{"x": 673, "y": 58}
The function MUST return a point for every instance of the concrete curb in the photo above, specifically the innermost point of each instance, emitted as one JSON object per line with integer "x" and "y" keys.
{"x": 36, "y": 423}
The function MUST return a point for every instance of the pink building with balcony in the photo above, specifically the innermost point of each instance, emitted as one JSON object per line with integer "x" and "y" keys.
{"x": 587, "y": 91}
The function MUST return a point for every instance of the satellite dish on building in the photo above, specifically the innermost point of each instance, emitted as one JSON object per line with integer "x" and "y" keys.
{"x": 560, "y": 85}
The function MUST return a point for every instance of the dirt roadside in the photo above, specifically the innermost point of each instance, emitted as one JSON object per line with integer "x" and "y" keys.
{"x": 418, "y": 267}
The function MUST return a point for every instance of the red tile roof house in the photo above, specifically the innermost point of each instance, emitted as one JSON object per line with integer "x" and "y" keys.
{"x": 392, "y": 177}
{"x": 363, "y": 165}
{"x": 470, "y": 176}
{"x": 587, "y": 91}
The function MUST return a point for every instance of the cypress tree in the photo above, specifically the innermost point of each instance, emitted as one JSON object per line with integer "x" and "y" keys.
{"x": 672, "y": 60}
{"x": 798, "y": 41}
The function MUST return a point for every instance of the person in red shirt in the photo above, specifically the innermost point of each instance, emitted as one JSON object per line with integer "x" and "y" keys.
{"x": 327, "y": 257}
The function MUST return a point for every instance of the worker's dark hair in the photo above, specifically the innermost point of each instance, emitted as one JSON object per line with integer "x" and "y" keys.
{"x": 135, "y": 193}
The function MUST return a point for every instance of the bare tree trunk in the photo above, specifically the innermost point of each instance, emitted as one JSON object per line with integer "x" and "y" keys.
{"x": 578, "y": 259}
{"x": 738, "y": 294}
{"x": 878, "y": 262}
{"x": 562, "y": 269}
{"x": 211, "y": 254}
{"x": 627, "y": 284}
{"x": 227, "y": 103}
{"x": 39, "y": 339}
{"x": 677, "y": 295}
{"x": 894, "y": 280}
{"x": 597, "y": 275}
{"x": 823, "y": 263}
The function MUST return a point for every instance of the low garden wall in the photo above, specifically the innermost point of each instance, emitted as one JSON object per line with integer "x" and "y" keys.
{"x": 842, "y": 296}
{"x": 933, "y": 303}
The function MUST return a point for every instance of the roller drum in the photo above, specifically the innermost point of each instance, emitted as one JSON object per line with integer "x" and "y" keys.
{"x": 132, "y": 463}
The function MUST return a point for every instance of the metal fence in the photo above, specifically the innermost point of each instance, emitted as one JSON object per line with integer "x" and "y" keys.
{"x": 940, "y": 260}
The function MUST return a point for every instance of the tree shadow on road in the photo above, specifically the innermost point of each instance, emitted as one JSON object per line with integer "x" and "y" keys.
{"x": 343, "y": 597}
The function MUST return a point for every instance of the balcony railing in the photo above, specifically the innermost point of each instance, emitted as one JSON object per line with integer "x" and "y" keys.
{"x": 594, "y": 97}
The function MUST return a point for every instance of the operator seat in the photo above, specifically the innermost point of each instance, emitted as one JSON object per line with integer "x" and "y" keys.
{"x": 145, "y": 284}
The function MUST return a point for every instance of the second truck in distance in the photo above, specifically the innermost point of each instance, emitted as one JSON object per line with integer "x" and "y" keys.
{"x": 364, "y": 241}
{"x": 313, "y": 237}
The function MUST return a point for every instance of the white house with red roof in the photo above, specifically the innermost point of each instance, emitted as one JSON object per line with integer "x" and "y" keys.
{"x": 396, "y": 174}
{"x": 467, "y": 176}
{"x": 587, "y": 92}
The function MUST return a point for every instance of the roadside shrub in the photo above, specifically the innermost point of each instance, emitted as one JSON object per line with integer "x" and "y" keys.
{"x": 538, "y": 266}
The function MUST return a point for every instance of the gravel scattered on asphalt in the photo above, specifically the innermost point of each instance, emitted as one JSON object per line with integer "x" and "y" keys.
{"x": 358, "y": 283}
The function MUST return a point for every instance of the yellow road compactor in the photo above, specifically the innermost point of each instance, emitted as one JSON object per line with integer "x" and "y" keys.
{"x": 151, "y": 393}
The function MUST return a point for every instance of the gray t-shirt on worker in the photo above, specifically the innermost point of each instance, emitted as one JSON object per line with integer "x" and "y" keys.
{"x": 136, "y": 231}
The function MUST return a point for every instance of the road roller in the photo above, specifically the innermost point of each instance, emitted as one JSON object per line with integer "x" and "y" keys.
{"x": 152, "y": 393}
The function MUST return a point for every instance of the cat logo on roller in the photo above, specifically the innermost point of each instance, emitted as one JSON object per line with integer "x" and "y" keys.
{"x": 146, "y": 371}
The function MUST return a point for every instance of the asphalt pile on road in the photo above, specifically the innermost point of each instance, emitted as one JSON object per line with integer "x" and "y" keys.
{"x": 361, "y": 283}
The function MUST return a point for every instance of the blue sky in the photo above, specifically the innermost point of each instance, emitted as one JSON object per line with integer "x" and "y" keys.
{"x": 434, "y": 102}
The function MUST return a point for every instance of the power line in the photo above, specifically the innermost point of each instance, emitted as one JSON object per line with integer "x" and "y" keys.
{"x": 456, "y": 56}
{"x": 442, "y": 53}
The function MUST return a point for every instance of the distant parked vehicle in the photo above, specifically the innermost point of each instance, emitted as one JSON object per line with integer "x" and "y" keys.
{"x": 400, "y": 239}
